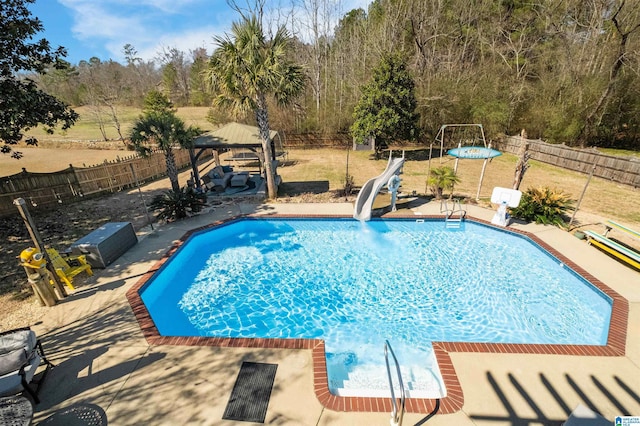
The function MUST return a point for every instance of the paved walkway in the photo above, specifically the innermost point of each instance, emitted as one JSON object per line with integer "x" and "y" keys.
{"x": 105, "y": 368}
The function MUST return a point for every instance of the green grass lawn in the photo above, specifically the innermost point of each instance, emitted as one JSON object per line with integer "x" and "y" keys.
{"x": 602, "y": 197}
{"x": 87, "y": 128}
{"x": 619, "y": 152}
{"x": 329, "y": 165}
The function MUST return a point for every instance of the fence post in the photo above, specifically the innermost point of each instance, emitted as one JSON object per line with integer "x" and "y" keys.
{"x": 146, "y": 210}
{"x": 37, "y": 240}
{"x": 106, "y": 169}
{"x": 584, "y": 190}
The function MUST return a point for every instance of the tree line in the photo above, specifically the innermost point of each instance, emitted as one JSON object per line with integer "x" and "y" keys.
{"x": 567, "y": 71}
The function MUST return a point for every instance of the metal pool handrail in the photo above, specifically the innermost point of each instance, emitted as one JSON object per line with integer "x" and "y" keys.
{"x": 396, "y": 415}
{"x": 449, "y": 219}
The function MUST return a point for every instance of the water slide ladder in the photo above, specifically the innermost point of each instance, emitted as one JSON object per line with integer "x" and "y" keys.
{"x": 397, "y": 412}
{"x": 454, "y": 214}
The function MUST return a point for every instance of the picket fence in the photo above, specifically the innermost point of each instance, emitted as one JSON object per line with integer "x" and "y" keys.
{"x": 43, "y": 190}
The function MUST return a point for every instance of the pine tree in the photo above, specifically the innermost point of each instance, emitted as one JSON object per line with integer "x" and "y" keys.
{"x": 387, "y": 108}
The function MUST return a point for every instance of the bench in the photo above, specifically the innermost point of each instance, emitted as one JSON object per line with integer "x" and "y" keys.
{"x": 217, "y": 179}
{"x": 220, "y": 177}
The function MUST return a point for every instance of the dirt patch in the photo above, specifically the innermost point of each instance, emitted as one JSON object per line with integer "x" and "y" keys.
{"x": 61, "y": 226}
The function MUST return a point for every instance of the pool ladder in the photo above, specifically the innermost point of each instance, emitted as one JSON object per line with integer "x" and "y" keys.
{"x": 398, "y": 412}
{"x": 450, "y": 218}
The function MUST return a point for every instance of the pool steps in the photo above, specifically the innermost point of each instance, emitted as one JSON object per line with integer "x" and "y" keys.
{"x": 349, "y": 379}
{"x": 370, "y": 384}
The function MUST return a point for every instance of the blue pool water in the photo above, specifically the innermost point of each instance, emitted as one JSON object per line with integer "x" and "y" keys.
{"x": 357, "y": 284}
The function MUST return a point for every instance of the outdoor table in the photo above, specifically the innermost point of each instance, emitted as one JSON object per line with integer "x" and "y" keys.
{"x": 15, "y": 411}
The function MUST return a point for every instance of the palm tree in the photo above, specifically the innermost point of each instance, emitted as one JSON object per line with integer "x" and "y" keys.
{"x": 442, "y": 178}
{"x": 166, "y": 131}
{"x": 245, "y": 68}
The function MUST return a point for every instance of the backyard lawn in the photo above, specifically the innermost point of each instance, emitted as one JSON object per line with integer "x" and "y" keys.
{"x": 316, "y": 167}
{"x": 308, "y": 175}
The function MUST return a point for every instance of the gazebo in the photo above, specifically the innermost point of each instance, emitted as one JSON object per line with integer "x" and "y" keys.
{"x": 238, "y": 137}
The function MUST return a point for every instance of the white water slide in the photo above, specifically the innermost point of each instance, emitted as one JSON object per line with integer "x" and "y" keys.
{"x": 368, "y": 193}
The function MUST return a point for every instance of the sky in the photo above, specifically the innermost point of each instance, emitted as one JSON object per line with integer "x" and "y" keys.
{"x": 101, "y": 28}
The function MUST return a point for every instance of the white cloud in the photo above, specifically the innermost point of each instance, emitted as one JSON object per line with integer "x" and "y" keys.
{"x": 185, "y": 41}
{"x": 355, "y": 4}
{"x": 93, "y": 21}
{"x": 165, "y": 6}
{"x": 150, "y": 25}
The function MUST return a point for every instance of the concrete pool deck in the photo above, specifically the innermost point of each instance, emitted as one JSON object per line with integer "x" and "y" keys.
{"x": 105, "y": 367}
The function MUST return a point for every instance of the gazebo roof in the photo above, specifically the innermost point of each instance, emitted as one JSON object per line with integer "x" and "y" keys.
{"x": 232, "y": 135}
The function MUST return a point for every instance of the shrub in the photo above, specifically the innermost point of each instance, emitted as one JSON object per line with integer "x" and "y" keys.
{"x": 174, "y": 205}
{"x": 441, "y": 178}
{"x": 543, "y": 205}
{"x": 348, "y": 185}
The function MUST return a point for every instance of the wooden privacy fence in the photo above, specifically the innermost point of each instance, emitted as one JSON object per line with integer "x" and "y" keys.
{"x": 72, "y": 184}
{"x": 313, "y": 140}
{"x": 617, "y": 169}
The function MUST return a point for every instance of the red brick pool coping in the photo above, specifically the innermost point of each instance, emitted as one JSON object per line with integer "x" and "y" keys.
{"x": 454, "y": 400}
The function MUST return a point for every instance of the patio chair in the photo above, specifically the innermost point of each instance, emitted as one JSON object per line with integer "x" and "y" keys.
{"x": 69, "y": 267}
{"x": 20, "y": 356}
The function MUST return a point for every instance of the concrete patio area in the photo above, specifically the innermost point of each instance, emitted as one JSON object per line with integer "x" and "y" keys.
{"x": 106, "y": 369}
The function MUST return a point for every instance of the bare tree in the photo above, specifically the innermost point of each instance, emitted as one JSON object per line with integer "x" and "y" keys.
{"x": 141, "y": 76}
{"x": 92, "y": 92}
{"x": 105, "y": 89}
{"x": 625, "y": 21}
{"x": 523, "y": 160}
{"x": 316, "y": 27}
{"x": 249, "y": 8}
{"x": 175, "y": 74}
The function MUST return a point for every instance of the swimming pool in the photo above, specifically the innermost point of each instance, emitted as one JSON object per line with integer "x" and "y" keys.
{"x": 354, "y": 284}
